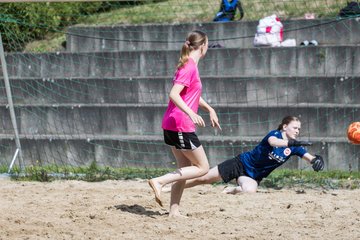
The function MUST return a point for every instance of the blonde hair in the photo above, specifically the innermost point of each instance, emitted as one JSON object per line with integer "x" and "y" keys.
{"x": 286, "y": 120}
{"x": 193, "y": 41}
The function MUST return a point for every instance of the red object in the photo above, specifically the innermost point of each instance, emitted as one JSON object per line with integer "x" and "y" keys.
{"x": 268, "y": 29}
{"x": 353, "y": 132}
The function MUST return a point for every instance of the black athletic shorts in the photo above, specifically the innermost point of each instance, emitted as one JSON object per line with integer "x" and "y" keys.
{"x": 231, "y": 169}
{"x": 182, "y": 140}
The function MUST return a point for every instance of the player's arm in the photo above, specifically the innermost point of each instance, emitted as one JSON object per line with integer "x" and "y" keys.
{"x": 316, "y": 161}
{"x": 213, "y": 116}
{"x": 277, "y": 142}
{"x": 179, "y": 102}
{"x": 308, "y": 157}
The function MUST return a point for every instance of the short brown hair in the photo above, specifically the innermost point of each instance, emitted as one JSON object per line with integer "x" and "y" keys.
{"x": 286, "y": 120}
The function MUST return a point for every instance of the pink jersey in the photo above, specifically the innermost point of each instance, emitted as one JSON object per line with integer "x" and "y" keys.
{"x": 175, "y": 119}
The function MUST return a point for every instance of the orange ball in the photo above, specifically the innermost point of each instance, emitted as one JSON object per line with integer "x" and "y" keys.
{"x": 353, "y": 132}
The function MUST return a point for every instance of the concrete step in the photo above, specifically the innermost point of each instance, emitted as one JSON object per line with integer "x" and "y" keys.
{"x": 335, "y": 61}
{"x": 154, "y": 90}
{"x": 157, "y": 137}
{"x": 150, "y": 151}
{"x": 319, "y": 120}
{"x": 237, "y": 34}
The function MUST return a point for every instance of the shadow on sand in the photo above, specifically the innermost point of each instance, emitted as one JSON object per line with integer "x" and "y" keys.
{"x": 137, "y": 209}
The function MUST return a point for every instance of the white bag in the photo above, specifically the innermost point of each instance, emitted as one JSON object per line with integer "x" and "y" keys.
{"x": 269, "y": 32}
{"x": 266, "y": 39}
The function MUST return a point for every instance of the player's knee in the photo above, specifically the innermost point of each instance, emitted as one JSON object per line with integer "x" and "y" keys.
{"x": 204, "y": 169}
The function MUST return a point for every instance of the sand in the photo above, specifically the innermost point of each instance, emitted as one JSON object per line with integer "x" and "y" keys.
{"x": 127, "y": 210}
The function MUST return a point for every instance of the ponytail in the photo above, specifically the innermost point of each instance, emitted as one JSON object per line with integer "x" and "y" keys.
{"x": 193, "y": 41}
{"x": 184, "y": 56}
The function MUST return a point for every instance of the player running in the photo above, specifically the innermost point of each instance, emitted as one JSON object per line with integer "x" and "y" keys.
{"x": 180, "y": 119}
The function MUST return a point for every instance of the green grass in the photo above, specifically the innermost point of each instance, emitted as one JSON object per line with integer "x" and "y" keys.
{"x": 328, "y": 179}
{"x": 281, "y": 178}
{"x": 3, "y": 168}
{"x": 91, "y": 173}
{"x": 52, "y": 43}
{"x": 176, "y": 11}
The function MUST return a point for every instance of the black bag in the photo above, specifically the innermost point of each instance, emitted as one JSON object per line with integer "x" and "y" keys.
{"x": 228, "y": 10}
{"x": 352, "y": 8}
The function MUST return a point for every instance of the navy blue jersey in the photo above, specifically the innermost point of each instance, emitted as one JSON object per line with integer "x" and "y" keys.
{"x": 264, "y": 158}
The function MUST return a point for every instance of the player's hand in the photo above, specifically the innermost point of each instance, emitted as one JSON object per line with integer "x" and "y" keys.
{"x": 197, "y": 119}
{"x": 295, "y": 143}
{"x": 214, "y": 120}
{"x": 317, "y": 163}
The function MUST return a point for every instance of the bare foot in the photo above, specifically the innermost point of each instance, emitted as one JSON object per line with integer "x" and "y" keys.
{"x": 156, "y": 187}
{"x": 232, "y": 190}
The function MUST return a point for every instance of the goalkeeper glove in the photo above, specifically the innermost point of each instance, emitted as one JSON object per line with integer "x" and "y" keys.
{"x": 317, "y": 163}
